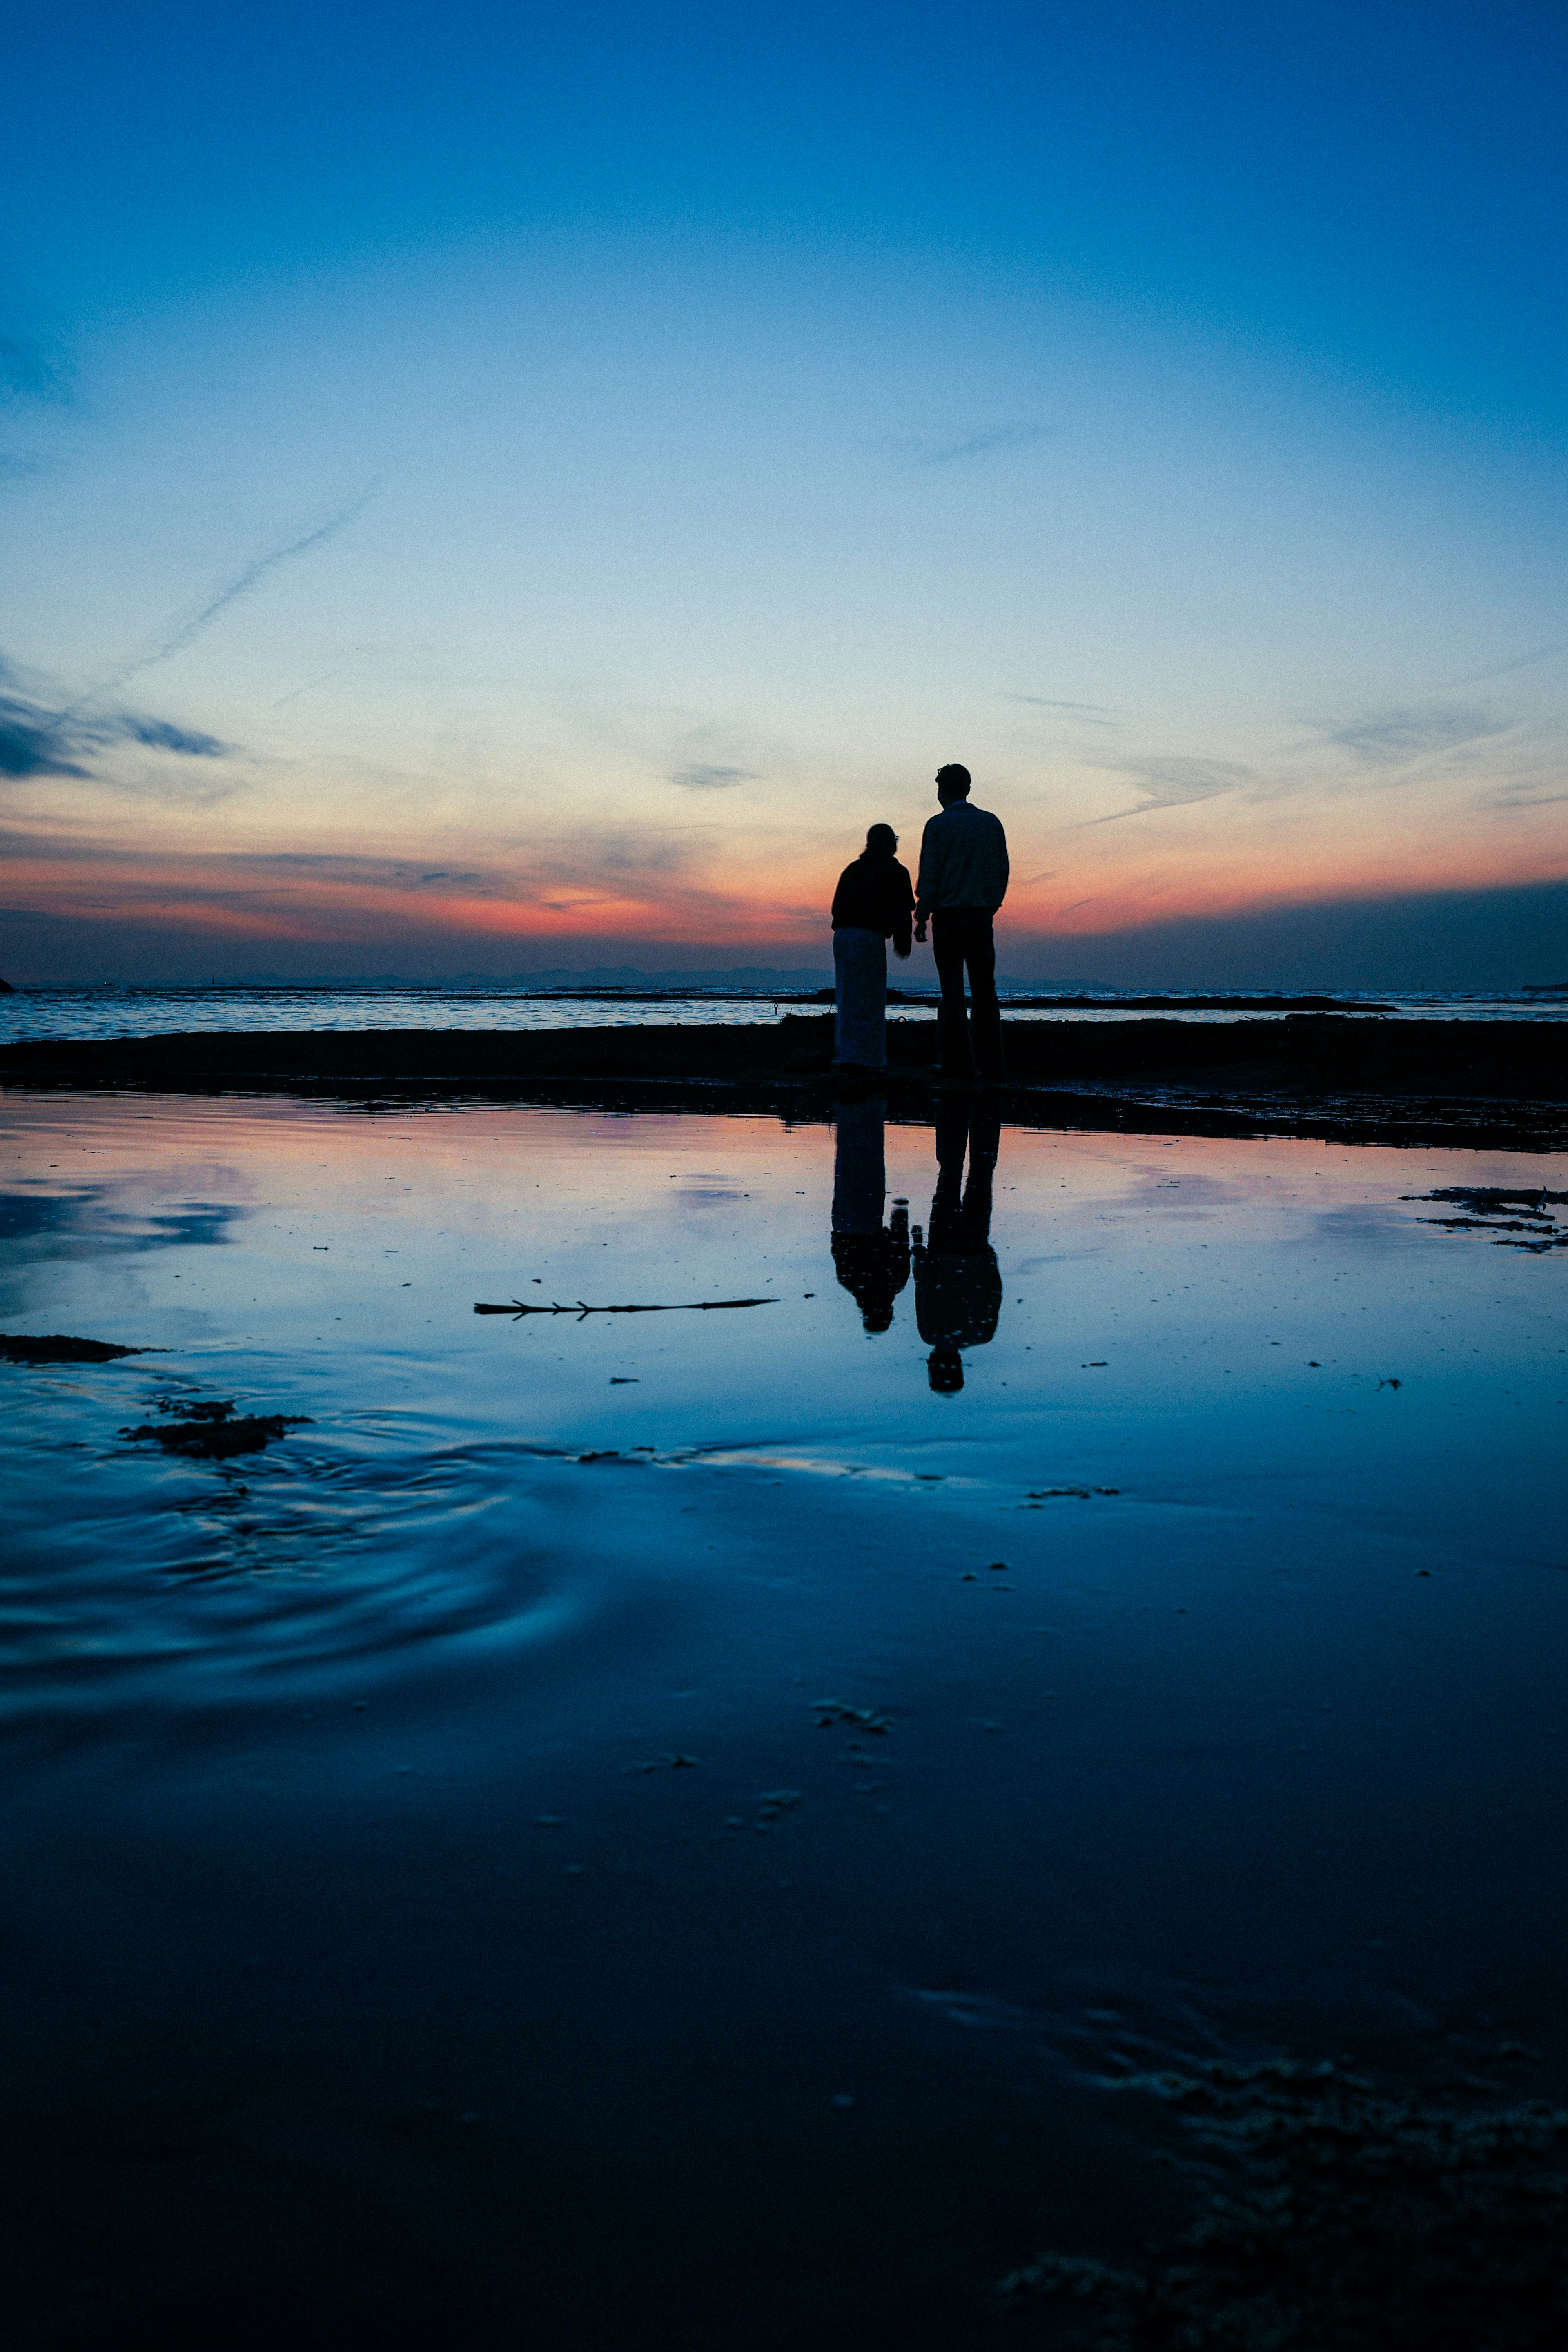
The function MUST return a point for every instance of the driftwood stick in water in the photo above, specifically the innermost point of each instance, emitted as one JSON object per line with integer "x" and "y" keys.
{"x": 515, "y": 1307}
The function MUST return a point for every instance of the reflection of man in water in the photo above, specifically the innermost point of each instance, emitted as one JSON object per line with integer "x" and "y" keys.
{"x": 872, "y": 1261}
{"x": 958, "y": 1282}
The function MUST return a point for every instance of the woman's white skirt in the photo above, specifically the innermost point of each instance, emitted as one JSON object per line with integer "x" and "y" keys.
{"x": 860, "y": 998}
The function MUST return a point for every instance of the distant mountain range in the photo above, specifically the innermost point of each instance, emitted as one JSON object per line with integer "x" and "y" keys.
{"x": 604, "y": 975}
{"x": 750, "y": 978}
{"x": 747, "y": 980}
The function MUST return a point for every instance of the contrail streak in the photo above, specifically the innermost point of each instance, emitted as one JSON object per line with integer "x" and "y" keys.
{"x": 248, "y": 581}
{"x": 1523, "y": 661}
{"x": 308, "y": 687}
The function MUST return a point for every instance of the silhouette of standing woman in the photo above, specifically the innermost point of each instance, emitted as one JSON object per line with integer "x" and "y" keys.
{"x": 874, "y": 903}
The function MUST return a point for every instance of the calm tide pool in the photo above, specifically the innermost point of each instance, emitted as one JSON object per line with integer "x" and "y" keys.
{"x": 668, "y": 1829}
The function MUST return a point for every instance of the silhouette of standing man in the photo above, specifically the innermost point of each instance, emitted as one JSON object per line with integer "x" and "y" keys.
{"x": 962, "y": 881}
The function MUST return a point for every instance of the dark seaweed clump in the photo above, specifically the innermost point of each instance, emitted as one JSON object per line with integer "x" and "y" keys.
{"x": 55, "y": 1347}
{"x": 1345, "y": 2218}
{"x": 1517, "y": 1220}
{"x": 213, "y": 1432}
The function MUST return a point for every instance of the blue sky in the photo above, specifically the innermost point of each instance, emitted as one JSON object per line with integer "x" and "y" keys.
{"x": 484, "y": 490}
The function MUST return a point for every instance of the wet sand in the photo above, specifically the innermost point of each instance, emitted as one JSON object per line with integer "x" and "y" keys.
{"x": 1486, "y": 1083}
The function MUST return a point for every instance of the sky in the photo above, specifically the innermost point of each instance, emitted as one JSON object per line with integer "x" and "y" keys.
{"x": 485, "y": 488}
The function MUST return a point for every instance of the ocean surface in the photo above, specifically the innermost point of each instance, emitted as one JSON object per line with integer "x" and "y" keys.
{"x": 107, "y": 1012}
{"x": 699, "y": 1823}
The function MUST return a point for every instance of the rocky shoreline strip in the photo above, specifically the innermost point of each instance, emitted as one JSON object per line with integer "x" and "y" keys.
{"x": 1492, "y": 1083}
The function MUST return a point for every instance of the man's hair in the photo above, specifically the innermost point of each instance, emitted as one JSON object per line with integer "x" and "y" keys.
{"x": 956, "y": 778}
{"x": 883, "y": 838}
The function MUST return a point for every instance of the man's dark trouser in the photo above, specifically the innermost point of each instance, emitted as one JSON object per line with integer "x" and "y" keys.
{"x": 961, "y": 936}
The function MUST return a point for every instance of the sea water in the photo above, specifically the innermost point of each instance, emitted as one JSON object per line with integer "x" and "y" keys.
{"x": 110, "y": 1011}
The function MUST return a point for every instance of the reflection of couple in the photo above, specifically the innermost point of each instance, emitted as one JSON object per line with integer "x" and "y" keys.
{"x": 962, "y": 881}
{"x": 958, "y": 1284}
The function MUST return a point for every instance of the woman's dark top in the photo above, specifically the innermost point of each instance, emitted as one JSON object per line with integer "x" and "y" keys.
{"x": 876, "y": 894}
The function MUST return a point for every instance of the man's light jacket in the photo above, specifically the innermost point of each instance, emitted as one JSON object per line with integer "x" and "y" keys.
{"x": 963, "y": 861}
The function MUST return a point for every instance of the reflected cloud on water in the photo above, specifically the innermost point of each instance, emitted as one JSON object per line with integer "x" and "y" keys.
{"x": 87, "y": 1222}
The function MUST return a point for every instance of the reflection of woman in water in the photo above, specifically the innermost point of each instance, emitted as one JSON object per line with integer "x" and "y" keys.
{"x": 874, "y": 903}
{"x": 958, "y": 1282}
{"x": 871, "y": 1261}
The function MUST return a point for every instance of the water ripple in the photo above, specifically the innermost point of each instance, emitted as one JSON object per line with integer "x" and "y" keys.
{"x": 198, "y": 1584}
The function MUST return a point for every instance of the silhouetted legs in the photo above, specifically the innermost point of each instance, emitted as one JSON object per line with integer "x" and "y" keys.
{"x": 861, "y": 999}
{"x": 960, "y": 937}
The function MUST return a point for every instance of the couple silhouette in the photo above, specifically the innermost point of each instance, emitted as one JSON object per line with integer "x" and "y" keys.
{"x": 962, "y": 882}
{"x": 958, "y": 1282}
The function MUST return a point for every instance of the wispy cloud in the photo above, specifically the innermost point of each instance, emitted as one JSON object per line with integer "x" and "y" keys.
{"x": 1521, "y": 661}
{"x": 705, "y": 779}
{"x": 1177, "y": 782}
{"x": 1076, "y": 714}
{"x": 1394, "y": 738}
{"x": 310, "y": 686}
{"x": 1520, "y": 795}
{"x": 370, "y": 871}
{"x": 1382, "y": 750}
{"x": 38, "y": 740}
{"x": 30, "y": 376}
{"x": 162, "y": 735}
{"x": 541, "y": 871}
{"x": 581, "y": 879}
{"x": 987, "y": 443}
{"x": 929, "y": 449}
{"x": 24, "y": 373}
{"x": 70, "y": 737}
{"x": 31, "y": 741}
{"x": 1052, "y": 702}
